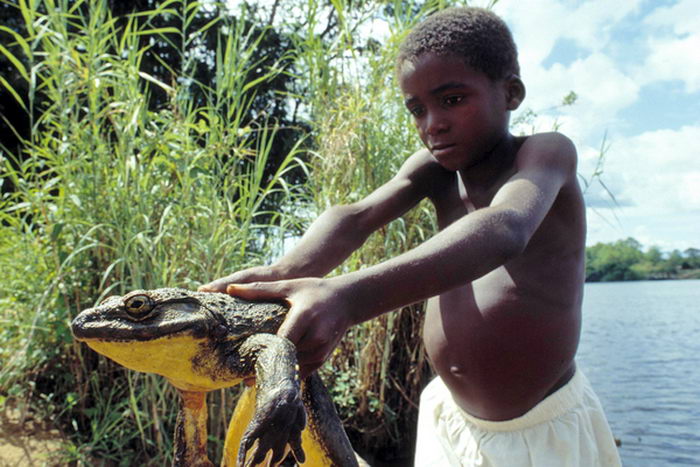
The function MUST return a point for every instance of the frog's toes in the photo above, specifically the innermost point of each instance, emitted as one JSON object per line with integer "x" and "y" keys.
{"x": 278, "y": 422}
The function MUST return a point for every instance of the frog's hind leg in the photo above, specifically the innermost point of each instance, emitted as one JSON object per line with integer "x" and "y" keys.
{"x": 324, "y": 440}
{"x": 242, "y": 415}
{"x": 241, "y": 418}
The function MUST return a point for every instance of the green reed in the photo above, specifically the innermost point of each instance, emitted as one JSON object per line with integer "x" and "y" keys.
{"x": 112, "y": 196}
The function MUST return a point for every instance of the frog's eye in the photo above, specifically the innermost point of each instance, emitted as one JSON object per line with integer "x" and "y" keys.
{"x": 138, "y": 307}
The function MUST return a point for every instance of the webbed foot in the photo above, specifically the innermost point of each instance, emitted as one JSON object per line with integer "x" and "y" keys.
{"x": 278, "y": 422}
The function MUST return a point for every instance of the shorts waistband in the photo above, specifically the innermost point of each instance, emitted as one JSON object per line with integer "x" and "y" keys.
{"x": 554, "y": 405}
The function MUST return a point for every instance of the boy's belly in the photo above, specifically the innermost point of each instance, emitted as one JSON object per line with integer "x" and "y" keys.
{"x": 499, "y": 350}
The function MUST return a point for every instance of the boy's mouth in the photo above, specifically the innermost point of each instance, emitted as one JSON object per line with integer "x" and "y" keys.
{"x": 442, "y": 147}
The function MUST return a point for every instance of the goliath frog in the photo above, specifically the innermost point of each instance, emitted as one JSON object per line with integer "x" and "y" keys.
{"x": 204, "y": 341}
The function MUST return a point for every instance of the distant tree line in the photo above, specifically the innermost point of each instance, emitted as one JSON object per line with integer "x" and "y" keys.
{"x": 626, "y": 260}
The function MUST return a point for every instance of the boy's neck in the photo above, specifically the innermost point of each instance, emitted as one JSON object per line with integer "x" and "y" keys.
{"x": 493, "y": 164}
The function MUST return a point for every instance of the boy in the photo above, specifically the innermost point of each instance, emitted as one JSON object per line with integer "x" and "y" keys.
{"x": 503, "y": 277}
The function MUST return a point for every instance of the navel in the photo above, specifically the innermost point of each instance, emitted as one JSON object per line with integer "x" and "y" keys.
{"x": 457, "y": 371}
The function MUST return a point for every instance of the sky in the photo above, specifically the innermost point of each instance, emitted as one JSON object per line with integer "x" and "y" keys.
{"x": 635, "y": 67}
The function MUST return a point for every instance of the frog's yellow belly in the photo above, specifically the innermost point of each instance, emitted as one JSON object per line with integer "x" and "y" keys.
{"x": 172, "y": 357}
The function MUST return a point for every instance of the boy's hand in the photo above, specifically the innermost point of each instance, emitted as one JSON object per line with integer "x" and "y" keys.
{"x": 318, "y": 316}
{"x": 254, "y": 274}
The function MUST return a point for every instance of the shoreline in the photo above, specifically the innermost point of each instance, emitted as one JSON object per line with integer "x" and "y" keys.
{"x": 693, "y": 274}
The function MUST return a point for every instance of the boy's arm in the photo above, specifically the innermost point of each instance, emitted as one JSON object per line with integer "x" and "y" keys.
{"x": 322, "y": 310}
{"x": 477, "y": 243}
{"x": 342, "y": 229}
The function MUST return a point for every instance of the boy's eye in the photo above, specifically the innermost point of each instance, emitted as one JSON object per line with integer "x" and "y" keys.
{"x": 453, "y": 99}
{"x": 416, "y": 111}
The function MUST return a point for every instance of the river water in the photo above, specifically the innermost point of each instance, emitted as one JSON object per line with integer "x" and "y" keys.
{"x": 640, "y": 348}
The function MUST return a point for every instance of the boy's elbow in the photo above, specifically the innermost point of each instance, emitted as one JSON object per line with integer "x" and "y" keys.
{"x": 513, "y": 245}
{"x": 349, "y": 218}
{"x": 515, "y": 236}
{"x": 343, "y": 213}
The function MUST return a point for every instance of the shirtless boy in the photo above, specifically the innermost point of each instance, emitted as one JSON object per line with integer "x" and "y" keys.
{"x": 503, "y": 277}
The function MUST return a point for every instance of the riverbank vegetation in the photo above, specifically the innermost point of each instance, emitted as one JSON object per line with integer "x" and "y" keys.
{"x": 626, "y": 260}
{"x": 166, "y": 143}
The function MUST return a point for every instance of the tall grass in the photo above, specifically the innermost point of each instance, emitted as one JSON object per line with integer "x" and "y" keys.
{"x": 112, "y": 196}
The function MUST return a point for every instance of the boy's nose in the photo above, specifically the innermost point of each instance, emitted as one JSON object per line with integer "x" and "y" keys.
{"x": 435, "y": 124}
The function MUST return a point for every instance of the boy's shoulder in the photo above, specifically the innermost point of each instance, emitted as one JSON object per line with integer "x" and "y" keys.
{"x": 549, "y": 136}
{"x": 553, "y": 138}
{"x": 550, "y": 148}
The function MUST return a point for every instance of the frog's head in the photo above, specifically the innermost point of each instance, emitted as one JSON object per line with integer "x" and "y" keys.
{"x": 144, "y": 315}
{"x": 163, "y": 331}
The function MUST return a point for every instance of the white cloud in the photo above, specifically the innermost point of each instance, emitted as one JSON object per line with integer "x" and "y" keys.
{"x": 657, "y": 176}
{"x": 655, "y": 180}
{"x": 682, "y": 17}
{"x": 603, "y": 90}
{"x": 673, "y": 59}
{"x": 537, "y": 25}
{"x": 689, "y": 189}
{"x": 674, "y": 42}
{"x": 659, "y": 170}
{"x": 590, "y": 24}
{"x": 602, "y": 87}
{"x": 526, "y": 19}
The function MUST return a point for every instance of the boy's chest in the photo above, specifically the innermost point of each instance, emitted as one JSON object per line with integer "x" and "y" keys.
{"x": 453, "y": 201}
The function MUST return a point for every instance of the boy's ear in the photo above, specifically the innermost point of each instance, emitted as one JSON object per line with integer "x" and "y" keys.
{"x": 515, "y": 92}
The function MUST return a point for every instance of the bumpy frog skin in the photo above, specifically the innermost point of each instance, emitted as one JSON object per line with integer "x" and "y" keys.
{"x": 203, "y": 341}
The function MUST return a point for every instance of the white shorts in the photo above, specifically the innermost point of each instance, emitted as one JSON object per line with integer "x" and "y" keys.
{"x": 567, "y": 429}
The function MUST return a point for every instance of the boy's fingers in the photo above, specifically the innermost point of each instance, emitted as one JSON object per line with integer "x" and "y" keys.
{"x": 218, "y": 285}
{"x": 239, "y": 277}
{"x": 258, "y": 291}
{"x": 214, "y": 287}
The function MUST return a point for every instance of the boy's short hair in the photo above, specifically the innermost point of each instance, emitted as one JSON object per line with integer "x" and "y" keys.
{"x": 476, "y": 35}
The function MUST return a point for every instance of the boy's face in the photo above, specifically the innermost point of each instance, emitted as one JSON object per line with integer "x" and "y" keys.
{"x": 460, "y": 113}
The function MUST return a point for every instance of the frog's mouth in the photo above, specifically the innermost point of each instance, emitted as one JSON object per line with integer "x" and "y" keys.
{"x": 94, "y": 325}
